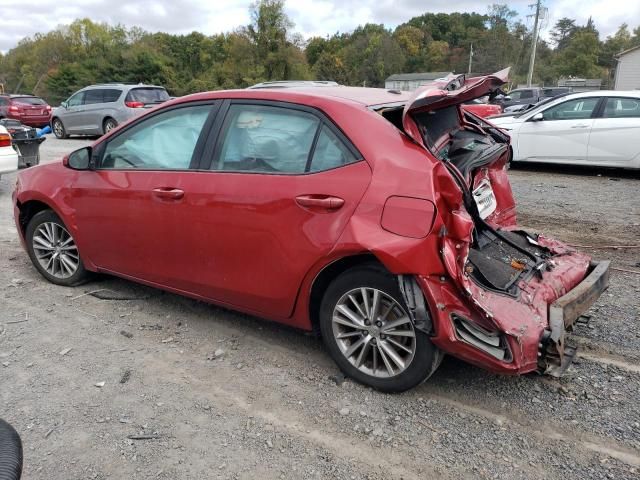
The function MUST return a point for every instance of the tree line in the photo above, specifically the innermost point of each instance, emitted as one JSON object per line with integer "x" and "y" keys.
{"x": 55, "y": 64}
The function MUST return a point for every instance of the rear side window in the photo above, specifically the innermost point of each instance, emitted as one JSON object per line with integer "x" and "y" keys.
{"x": 147, "y": 95}
{"x": 330, "y": 152}
{"x": 92, "y": 97}
{"x": 29, "y": 100}
{"x": 165, "y": 141}
{"x": 526, "y": 94}
{"x": 110, "y": 95}
{"x": 622, "y": 108}
{"x": 258, "y": 138}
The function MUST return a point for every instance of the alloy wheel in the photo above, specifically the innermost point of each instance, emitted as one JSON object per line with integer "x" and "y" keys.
{"x": 374, "y": 332}
{"x": 55, "y": 250}
{"x": 58, "y": 129}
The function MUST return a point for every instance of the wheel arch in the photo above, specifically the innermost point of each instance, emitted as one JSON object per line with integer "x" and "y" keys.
{"x": 29, "y": 209}
{"x": 329, "y": 273}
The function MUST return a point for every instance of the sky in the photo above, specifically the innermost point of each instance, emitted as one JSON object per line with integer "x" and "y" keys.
{"x": 311, "y": 17}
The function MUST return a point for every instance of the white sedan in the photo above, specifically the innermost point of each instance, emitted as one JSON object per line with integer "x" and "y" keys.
{"x": 600, "y": 128}
{"x": 8, "y": 156}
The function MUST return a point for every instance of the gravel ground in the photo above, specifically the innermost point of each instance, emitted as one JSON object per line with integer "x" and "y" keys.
{"x": 224, "y": 395}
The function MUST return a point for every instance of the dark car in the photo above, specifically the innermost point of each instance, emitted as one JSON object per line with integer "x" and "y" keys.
{"x": 383, "y": 220}
{"x": 27, "y": 109}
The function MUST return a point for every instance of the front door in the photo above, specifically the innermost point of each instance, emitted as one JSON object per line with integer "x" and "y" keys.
{"x": 130, "y": 211}
{"x": 72, "y": 114}
{"x": 562, "y": 135}
{"x": 281, "y": 187}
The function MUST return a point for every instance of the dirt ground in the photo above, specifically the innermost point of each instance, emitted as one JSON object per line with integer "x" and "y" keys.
{"x": 79, "y": 375}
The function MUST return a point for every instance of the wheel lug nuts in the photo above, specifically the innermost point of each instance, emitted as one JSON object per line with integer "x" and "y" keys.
{"x": 379, "y": 323}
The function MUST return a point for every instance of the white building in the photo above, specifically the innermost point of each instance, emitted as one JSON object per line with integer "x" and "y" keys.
{"x": 411, "y": 81}
{"x": 628, "y": 70}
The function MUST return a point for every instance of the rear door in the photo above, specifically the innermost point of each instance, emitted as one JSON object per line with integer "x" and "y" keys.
{"x": 615, "y": 136}
{"x": 562, "y": 135}
{"x": 281, "y": 185}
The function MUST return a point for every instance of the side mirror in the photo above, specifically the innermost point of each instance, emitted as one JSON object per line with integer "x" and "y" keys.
{"x": 78, "y": 160}
{"x": 64, "y": 104}
{"x": 538, "y": 117}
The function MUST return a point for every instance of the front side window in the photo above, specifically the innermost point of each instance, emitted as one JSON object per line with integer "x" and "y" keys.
{"x": 258, "y": 138}
{"x": 165, "y": 141}
{"x": 622, "y": 108}
{"x": 526, "y": 94}
{"x": 515, "y": 95}
{"x": 578, "y": 109}
{"x": 76, "y": 100}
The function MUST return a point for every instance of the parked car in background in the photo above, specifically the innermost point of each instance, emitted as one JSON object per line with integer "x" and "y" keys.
{"x": 599, "y": 128}
{"x": 482, "y": 109}
{"x": 382, "y": 219}
{"x": 523, "y": 99}
{"x": 8, "y": 156}
{"x": 97, "y": 109}
{"x": 27, "y": 109}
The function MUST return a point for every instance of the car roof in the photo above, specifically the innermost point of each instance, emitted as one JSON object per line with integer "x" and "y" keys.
{"x": 604, "y": 93}
{"x": 365, "y": 96}
{"x": 130, "y": 86}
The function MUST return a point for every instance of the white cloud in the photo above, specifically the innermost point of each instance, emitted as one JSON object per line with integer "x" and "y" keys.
{"x": 312, "y": 17}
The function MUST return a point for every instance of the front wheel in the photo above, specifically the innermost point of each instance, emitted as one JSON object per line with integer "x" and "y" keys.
{"x": 366, "y": 328}
{"x": 58, "y": 129}
{"x": 53, "y": 250}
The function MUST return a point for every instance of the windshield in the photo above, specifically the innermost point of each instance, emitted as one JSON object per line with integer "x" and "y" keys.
{"x": 538, "y": 106}
{"x": 148, "y": 95}
{"x": 29, "y": 100}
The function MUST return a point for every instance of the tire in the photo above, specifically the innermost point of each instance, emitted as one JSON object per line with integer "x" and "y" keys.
{"x": 54, "y": 252}
{"x": 58, "y": 129}
{"x": 108, "y": 125}
{"x": 10, "y": 452}
{"x": 419, "y": 365}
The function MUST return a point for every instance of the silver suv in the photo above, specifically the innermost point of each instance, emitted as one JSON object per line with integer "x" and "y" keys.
{"x": 97, "y": 109}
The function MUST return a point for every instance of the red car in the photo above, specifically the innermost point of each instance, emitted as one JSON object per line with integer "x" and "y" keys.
{"x": 29, "y": 110}
{"x": 380, "y": 219}
{"x": 481, "y": 109}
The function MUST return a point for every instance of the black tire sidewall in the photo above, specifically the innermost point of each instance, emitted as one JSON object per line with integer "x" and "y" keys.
{"x": 426, "y": 357}
{"x": 49, "y": 216}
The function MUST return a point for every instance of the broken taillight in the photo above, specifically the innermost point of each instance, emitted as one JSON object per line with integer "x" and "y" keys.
{"x": 5, "y": 140}
{"x": 134, "y": 104}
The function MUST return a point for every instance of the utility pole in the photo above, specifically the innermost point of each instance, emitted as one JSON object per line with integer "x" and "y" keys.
{"x": 470, "y": 58}
{"x": 532, "y": 60}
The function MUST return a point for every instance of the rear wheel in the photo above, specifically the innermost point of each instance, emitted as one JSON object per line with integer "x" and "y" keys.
{"x": 108, "y": 125}
{"x": 58, "y": 129}
{"x": 53, "y": 250}
{"x": 366, "y": 328}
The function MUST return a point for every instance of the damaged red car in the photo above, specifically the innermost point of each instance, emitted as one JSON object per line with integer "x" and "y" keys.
{"x": 383, "y": 220}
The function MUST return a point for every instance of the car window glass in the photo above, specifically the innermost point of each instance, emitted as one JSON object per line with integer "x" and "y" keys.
{"x": 164, "y": 141}
{"x": 260, "y": 138}
{"x": 75, "y": 100}
{"x": 330, "y": 152}
{"x": 578, "y": 109}
{"x": 622, "y": 108}
{"x": 148, "y": 95}
{"x": 93, "y": 96}
{"x": 515, "y": 95}
{"x": 29, "y": 100}
{"x": 110, "y": 95}
{"x": 526, "y": 94}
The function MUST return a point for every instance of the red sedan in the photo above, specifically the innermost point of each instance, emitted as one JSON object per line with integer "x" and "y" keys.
{"x": 481, "y": 109}
{"x": 29, "y": 110}
{"x": 380, "y": 219}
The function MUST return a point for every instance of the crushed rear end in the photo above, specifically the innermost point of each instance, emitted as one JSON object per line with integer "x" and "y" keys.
{"x": 510, "y": 296}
